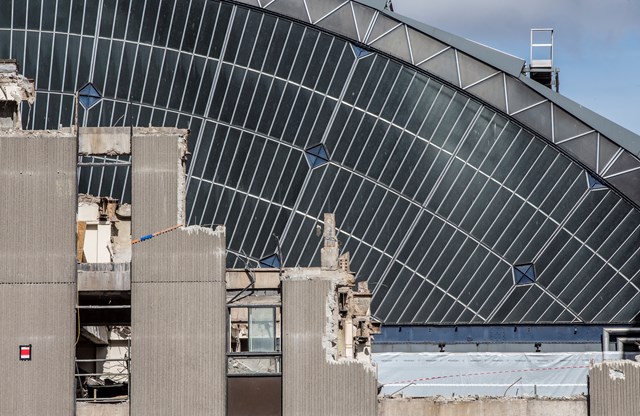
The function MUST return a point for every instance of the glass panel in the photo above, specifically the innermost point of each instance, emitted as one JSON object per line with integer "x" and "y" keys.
{"x": 253, "y": 365}
{"x": 262, "y": 337}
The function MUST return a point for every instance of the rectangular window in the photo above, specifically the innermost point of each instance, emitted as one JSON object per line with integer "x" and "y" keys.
{"x": 262, "y": 326}
{"x": 254, "y": 340}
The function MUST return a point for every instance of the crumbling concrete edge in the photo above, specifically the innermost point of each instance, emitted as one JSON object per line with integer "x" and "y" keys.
{"x": 182, "y": 178}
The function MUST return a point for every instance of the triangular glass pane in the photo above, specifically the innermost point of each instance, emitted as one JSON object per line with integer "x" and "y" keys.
{"x": 315, "y": 150}
{"x": 359, "y": 52}
{"x": 88, "y": 102}
{"x": 271, "y": 261}
{"x": 322, "y": 153}
{"x": 594, "y": 183}
{"x": 313, "y": 160}
{"x": 90, "y": 91}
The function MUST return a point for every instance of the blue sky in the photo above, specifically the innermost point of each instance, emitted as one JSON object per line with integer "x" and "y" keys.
{"x": 597, "y": 43}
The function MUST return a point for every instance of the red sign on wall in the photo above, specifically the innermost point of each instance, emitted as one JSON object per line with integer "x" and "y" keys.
{"x": 25, "y": 352}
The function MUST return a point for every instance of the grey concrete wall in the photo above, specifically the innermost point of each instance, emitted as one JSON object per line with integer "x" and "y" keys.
{"x": 178, "y": 290}
{"x": 102, "y": 409}
{"x": 38, "y": 206}
{"x": 614, "y": 388}
{"x": 37, "y": 272}
{"x": 483, "y": 407}
{"x": 312, "y": 383}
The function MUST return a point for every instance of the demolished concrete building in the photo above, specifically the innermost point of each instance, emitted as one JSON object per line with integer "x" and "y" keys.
{"x": 190, "y": 320}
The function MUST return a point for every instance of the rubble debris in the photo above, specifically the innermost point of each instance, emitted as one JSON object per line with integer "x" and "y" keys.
{"x": 14, "y": 88}
{"x": 104, "y": 230}
{"x": 349, "y": 325}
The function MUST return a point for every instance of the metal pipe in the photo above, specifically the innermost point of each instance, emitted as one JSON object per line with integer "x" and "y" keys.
{"x": 104, "y": 306}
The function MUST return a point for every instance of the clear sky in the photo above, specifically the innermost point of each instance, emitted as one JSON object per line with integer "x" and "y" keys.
{"x": 597, "y": 43}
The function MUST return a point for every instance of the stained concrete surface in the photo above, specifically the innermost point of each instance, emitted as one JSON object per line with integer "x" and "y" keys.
{"x": 484, "y": 406}
{"x": 102, "y": 409}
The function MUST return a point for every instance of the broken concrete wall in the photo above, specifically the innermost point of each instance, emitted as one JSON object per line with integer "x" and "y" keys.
{"x": 483, "y": 406}
{"x": 313, "y": 382}
{"x": 14, "y": 88}
{"x": 109, "y": 141}
{"x": 178, "y": 289}
{"x": 37, "y": 277}
{"x": 614, "y": 388}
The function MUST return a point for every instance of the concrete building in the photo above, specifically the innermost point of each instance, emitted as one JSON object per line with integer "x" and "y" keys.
{"x": 197, "y": 341}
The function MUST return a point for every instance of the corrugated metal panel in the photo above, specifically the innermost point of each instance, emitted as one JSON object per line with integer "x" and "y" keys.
{"x": 38, "y": 205}
{"x": 41, "y": 315}
{"x": 614, "y": 389}
{"x": 178, "y": 290}
{"x": 311, "y": 384}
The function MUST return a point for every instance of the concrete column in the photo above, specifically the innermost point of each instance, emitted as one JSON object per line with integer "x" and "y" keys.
{"x": 178, "y": 309}
{"x": 37, "y": 273}
{"x": 314, "y": 383}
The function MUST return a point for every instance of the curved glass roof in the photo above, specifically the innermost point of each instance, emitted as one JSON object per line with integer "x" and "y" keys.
{"x": 464, "y": 194}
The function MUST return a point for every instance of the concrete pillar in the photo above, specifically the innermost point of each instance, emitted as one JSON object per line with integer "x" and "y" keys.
{"x": 329, "y": 253}
{"x": 37, "y": 273}
{"x": 178, "y": 289}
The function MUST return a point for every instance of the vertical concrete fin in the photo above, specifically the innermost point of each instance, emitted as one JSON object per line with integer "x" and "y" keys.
{"x": 329, "y": 253}
{"x": 37, "y": 277}
{"x": 178, "y": 310}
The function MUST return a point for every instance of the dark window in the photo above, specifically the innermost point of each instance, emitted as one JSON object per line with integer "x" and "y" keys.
{"x": 317, "y": 155}
{"x": 271, "y": 261}
{"x": 594, "y": 184}
{"x": 89, "y": 96}
{"x": 524, "y": 274}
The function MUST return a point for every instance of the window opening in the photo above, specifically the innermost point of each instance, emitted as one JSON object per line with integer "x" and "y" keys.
{"x": 254, "y": 340}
